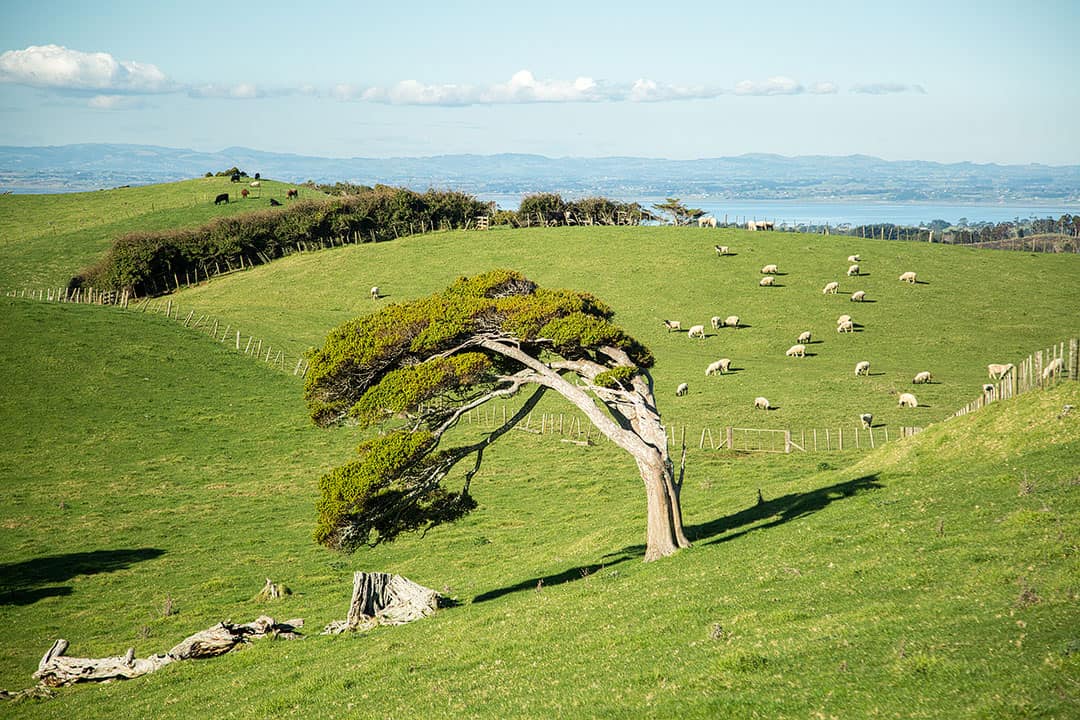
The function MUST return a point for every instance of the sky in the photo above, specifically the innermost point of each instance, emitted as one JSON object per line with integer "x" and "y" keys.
{"x": 985, "y": 82}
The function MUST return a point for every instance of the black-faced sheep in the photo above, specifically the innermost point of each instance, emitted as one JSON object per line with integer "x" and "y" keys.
{"x": 862, "y": 368}
{"x": 908, "y": 400}
{"x": 761, "y": 403}
{"x": 721, "y": 366}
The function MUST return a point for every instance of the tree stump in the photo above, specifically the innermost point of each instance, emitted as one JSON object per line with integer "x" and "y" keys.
{"x": 384, "y": 599}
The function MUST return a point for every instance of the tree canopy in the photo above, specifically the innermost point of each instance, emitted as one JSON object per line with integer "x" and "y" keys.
{"x": 416, "y": 368}
{"x": 677, "y": 210}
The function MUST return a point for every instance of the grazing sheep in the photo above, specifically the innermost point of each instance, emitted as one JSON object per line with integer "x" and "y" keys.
{"x": 853, "y": 258}
{"x": 1055, "y": 367}
{"x": 997, "y": 371}
{"x": 804, "y": 337}
{"x": 255, "y": 183}
{"x": 867, "y": 419}
{"x": 769, "y": 270}
{"x": 908, "y": 400}
{"x": 375, "y": 292}
{"x": 767, "y": 281}
{"x": 721, "y": 249}
{"x": 721, "y": 366}
{"x": 715, "y": 322}
{"x": 672, "y": 325}
{"x": 682, "y": 389}
{"x": 853, "y": 270}
{"x": 862, "y": 368}
{"x": 858, "y": 296}
{"x": 732, "y": 321}
{"x": 706, "y": 222}
{"x": 846, "y": 326}
{"x": 697, "y": 331}
{"x": 761, "y": 403}
{"x": 796, "y": 351}
{"x": 831, "y": 288}
{"x": 908, "y": 277}
{"x": 843, "y": 319}
{"x": 922, "y": 378}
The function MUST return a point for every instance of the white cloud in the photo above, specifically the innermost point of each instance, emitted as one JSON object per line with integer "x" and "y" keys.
{"x": 823, "y": 88}
{"x": 239, "y": 91}
{"x": 886, "y": 88}
{"x": 650, "y": 91}
{"x": 779, "y": 85}
{"x": 114, "y": 102}
{"x": 55, "y": 66}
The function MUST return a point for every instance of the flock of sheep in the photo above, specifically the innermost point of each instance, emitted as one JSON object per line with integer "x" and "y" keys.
{"x": 844, "y": 324}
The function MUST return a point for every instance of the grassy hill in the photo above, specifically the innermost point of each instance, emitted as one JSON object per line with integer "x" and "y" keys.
{"x": 147, "y": 467}
{"x": 45, "y": 239}
{"x": 933, "y": 577}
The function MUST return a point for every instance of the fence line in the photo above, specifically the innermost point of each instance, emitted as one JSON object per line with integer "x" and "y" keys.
{"x": 1043, "y": 368}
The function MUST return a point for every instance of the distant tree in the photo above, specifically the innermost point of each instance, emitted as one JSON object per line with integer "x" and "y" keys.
{"x": 679, "y": 213}
{"x": 544, "y": 207}
{"x": 416, "y": 368}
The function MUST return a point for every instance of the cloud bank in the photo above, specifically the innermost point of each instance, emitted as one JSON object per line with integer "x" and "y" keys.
{"x": 61, "y": 69}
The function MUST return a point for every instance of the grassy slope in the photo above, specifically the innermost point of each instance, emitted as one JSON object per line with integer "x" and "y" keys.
{"x": 45, "y": 239}
{"x": 895, "y": 587}
{"x": 976, "y": 307}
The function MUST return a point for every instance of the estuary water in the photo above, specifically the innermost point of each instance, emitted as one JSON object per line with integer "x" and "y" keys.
{"x": 831, "y": 212}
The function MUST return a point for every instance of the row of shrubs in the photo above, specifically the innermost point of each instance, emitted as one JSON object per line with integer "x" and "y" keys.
{"x": 146, "y": 263}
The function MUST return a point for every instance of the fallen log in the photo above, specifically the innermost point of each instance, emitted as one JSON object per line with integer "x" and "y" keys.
{"x": 56, "y": 669}
{"x": 384, "y": 599}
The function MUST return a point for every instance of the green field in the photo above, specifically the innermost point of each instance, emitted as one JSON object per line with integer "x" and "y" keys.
{"x": 146, "y": 465}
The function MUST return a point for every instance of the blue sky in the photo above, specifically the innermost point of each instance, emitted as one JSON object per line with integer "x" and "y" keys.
{"x": 945, "y": 81}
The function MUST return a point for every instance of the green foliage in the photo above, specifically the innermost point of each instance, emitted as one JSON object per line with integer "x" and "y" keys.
{"x": 615, "y": 376}
{"x": 677, "y": 210}
{"x": 544, "y": 205}
{"x": 407, "y": 388}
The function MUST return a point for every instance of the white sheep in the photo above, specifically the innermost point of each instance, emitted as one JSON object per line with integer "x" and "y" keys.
{"x": 1056, "y": 366}
{"x": 721, "y": 249}
{"x": 853, "y": 258}
{"x": 672, "y": 325}
{"x": 831, "y": 288}
{"x": 255, "y": 183}
{"x": 375, "y": 292}
{"x": 715, "y": 321}
{"x": 853, "y": 270}
{"x": 767, "y": 281}
{"x": 908, "y": 277}
{"x": 761, "y": 403}
{"x": 997, "y": 371}
{"x": 862, "y": 368}
{"x": 804, "y": 337}
{"x": 867, "y": 419}
{"x": 697, "y": 331}
{"x": 843, "y": 319}
{"x": 682, "y": 389}
{"x": 721, "y": 366}
{"x": 858, "y": 296}
{"x": 908, "y": 400}
{"x": 846, "y": 326}
{"x": 922, "y": 378}
{"x": 706, "y": 222}
{"x": 796, "y": 351}
{"x": 732, "y": 321}
{"x": 769, "y": 270}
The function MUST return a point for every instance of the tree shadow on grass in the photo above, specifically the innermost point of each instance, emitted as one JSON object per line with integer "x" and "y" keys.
{"x": 784, "y": 509}
{"x": 26, "y": 582}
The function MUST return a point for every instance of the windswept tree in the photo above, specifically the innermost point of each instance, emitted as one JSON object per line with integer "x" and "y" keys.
{"x": 677, "y": 210}
{"x": 416, "y": 368}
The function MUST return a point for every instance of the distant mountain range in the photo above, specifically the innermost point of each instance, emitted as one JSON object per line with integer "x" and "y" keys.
{"x": 69, "y": 168}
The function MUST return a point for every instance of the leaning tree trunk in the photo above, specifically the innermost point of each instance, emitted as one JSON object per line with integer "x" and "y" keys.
{"x": 664, "y": 530}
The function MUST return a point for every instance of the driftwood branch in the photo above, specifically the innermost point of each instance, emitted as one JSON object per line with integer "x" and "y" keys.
{"x": 384, "y": 599}
{"x": 56, "y": 669}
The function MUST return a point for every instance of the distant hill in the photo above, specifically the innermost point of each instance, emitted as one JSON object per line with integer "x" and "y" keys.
{"x": 753, "y": 176}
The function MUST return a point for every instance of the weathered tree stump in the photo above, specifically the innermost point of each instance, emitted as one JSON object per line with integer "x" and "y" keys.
{"x": 272, "y": 591}
{"x": 384, "y": 599}
{"x": 55, "y": 669}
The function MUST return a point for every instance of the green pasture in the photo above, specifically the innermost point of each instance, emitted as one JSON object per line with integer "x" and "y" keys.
{"x": 145, "y": 465}
{"x": 147, "y": 468}
{"x": 45, "y": 239}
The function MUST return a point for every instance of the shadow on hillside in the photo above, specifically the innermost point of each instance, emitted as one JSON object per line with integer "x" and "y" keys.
{"x": 26, "y": 582}
{"x": 783, "y": 509}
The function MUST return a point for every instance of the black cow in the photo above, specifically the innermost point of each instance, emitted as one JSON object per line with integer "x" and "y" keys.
{"x": 222, "y": 198}
{"x": 274, "y": 203}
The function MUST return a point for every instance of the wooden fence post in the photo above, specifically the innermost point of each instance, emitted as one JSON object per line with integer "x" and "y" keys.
{"x": 1074, "y": 359}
